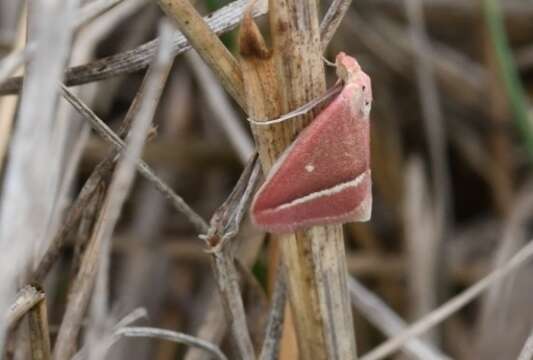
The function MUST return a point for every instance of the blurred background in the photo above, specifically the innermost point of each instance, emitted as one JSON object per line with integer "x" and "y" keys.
{"x": 452, "y": 145}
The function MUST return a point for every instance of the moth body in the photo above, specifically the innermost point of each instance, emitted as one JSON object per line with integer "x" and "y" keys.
{"x": 324, "y": 176}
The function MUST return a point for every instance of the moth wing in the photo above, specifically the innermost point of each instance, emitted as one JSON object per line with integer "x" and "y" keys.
{"x": 324, "y": 176}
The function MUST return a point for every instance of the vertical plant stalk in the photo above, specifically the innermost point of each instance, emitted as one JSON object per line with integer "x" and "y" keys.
{"x": 25, "y": 208}
{"x": 317, "y": 268}
{"x": 263, "y": 103}
{"x": 39, "y": 333}
{"x": 275, "y": 83}
{"x": 219, "y": 239}
{"x": 315, "y": 259}
{"x": 228, "y": 281}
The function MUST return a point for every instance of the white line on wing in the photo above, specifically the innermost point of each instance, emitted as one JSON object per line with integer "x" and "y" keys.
{"x": 326, "y": 192}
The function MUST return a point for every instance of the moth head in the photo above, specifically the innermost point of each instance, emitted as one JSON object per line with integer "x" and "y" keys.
{"x": 347, "y": 67}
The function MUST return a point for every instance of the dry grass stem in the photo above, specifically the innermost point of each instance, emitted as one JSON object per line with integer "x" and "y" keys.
{"x": 275, "y": 83}
{"x": 27, "y": 298}
{"x": 332, "y": 19}
{"x": 214, "y": 323}
{"x": 271, "y": 344}
{"x": 432, "y": 115}
{"x": 452, "y": 305}
{"x": 78, "y": 131}
{"x": 527, "y": 350}
{"x": 423, "y": 239}
{"x": 145, "y": 170}
{"x": 207, "y": 44}
{"x": 172, "y": 336}
{"x": 39, "y": 332}
{"x": 109, "y": 213}
{"x": 224, "y": 226}
{"x": 451, "y": 181}
{"x": 139, "y": 58}
{"x": 503, "y": 323}
{"x": 107, "y": 342}
{"x": 224, "y": 114}
{"x": 16, "y": 58}
{"x": 228, "y": 283}
{"x": 27, "y": 178}
{"x": 386, "y": 320}
{"x": 97, "y": 180}
{"x": 315, "y": 259}
{"x": 213, "y": 328}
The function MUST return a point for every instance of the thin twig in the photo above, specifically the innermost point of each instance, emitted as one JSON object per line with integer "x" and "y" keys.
{"x": 16, "y": 58}
{"x": 125, "y": 171}
{"x": 502, "y": 304}
{"x": 271, "y": 344}
{"x": 145, "y": 170}
{"x": 27, "y": 298}
{"x": 133, "y": 316}
{"x": 332, "y": 20}
{"x": 139, "y": 273}
{"x": 74, "y": 142}
{"x": 172, "y": 336}
{"x": 71, "y": 219}
{"x": 232, "y": 211}
{"x": 220, "y": 21}
{"x": 452, "y": 305}
{"x": 224, "y": 113}
{"x": 527, "y": 350}
{"x": 385, "y": 319}
{"x": 215, "y": 322}
{"x": 39, "y": 333}
{"x": 97, "y": 179}
{"x": 224, "y": 227}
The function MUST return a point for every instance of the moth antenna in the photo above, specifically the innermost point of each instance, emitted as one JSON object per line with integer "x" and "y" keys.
{"x": 328, "y": 63}
{"x": 302, "y": 110}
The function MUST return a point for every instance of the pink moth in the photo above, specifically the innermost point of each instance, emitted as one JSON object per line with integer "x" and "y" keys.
{"x": 323, "y": 177}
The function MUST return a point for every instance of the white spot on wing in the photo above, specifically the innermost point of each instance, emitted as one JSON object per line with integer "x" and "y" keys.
{"x": 309, "y": 168}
